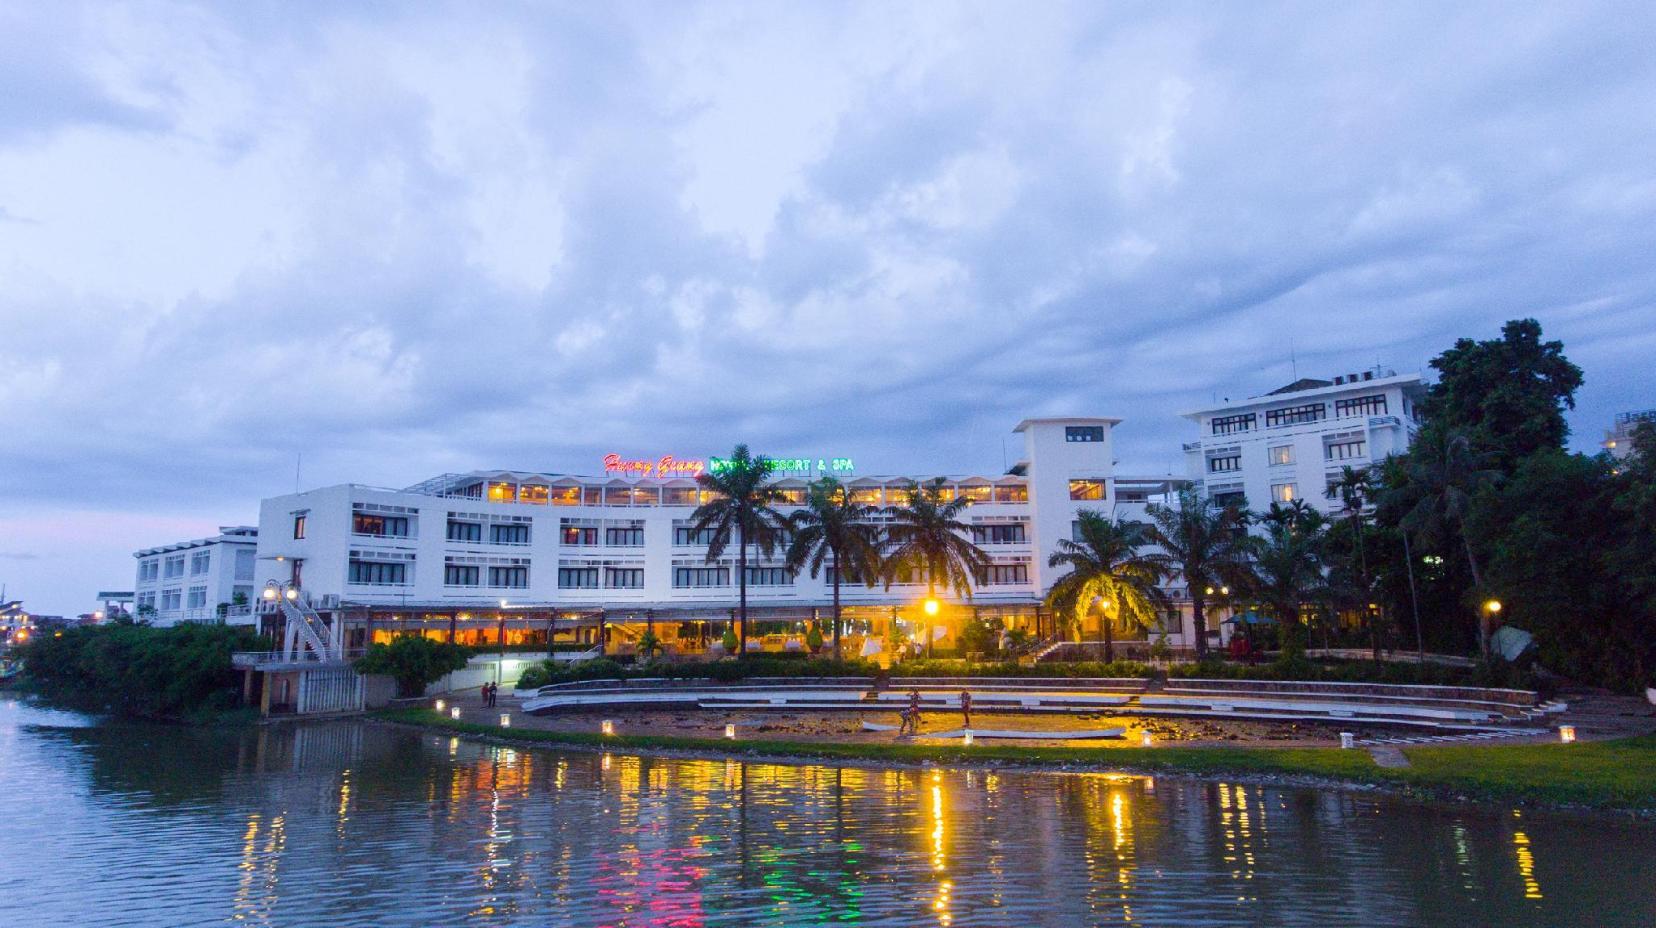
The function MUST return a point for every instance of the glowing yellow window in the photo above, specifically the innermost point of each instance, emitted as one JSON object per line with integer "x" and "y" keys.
{"x": 1086, "y": 489}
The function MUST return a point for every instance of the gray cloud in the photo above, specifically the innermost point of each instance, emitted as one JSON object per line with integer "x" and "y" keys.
{"x": 402, "y": 240}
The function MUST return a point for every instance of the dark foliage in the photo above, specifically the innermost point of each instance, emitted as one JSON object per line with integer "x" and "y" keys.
{"x": 143, "y": 671}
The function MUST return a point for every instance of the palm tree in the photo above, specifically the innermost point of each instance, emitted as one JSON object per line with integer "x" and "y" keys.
{"x": 1296, "y": 512}
{"x": 1286, "y": 569}
{"x": 1446, "y": 470}
{"x": 926, "y": 536}
{"x": 834, "y": 529}
{"x": 1106, "y": 565}
{"x": 1202, "y": 542}
{"x": 1353, "y": 488}
{"x": 740, "y": 510}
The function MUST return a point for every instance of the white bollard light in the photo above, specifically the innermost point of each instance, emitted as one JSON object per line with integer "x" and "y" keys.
{"x": 1145, "y": 738}
{"x": 505, "y": 720}
{"x": 441, "y": 705}
{"x": 1566, "y": 734}
{"x": 606, "y": 727}
{"x": 966, "y": 739}
{"x": 730, "y": 730}
{"x": 1347, "y": 739}
{"x": 454, "y": 713}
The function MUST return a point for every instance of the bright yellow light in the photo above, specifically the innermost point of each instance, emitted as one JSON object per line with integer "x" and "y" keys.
{"x": 292, "y": 593}
{"x": 930, "y": 606}
{"x": 1493, "y": 606}
{"x": 505, "y": 720}
{"x": 503, "y": 604}
{"x": 270, "y": 592}
{"x": 1210, "y": 591}
{"x": 1566, "y": 733}
{"x": 1224, "y": 591}
{"x": 607, "y": 727}
{"x": 441, "y": 705}
{"x": 730, "y": 730}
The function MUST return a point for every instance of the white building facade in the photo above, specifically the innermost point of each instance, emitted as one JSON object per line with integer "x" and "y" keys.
{"x": 1293, "y": 442}
{"x": 585, "y": 556}
{"x": 204, "y": 580}
{"x": 1618, "y": 439}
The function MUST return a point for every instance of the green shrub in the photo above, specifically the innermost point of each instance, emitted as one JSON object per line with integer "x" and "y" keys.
{"x": 415, "y": 662}
{"x": 141, "y": 670}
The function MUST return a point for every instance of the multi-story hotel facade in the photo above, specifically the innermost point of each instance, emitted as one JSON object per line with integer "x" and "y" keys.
{"x": 1293, "y": 442}
{"x": 202, "y": 580}
{"x": 523, "y": 557}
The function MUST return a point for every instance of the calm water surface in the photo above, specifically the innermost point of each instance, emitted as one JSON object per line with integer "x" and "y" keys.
{"x": 352, "y": 824}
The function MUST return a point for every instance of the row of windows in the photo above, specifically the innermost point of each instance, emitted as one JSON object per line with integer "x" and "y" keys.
{"x": 1083, "y": 433}
{"x": 1225, "y": 464}
{"x": 1295, "y": 415}
{"x": 1230, "y": 425}
{"x": 506, "y": 533}
{"x": 1361, "y": 406}
{"x": 1005, "y": 574}
{"x": 1346, "y": 450}
{"x": 363, "y": 523}
{"x": 173, "y": 566}
{"x": 506, "y": 578}
{"x": 378, "y": 573}
{"x": 1011, "y": 533}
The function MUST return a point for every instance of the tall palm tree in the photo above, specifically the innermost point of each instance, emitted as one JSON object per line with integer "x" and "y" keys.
{"x": 740, "y": 510}
{"x": 925, "y": 536}
{"x": 1286, "y": 568}
{"x": 1105, "y": 565}
{"x": 834, "y": 529}
{"x": 1202, "y": 542}
{"x": 1353, "y": 488}
{"x": 1295, "y": 512}
{"x": 1447, "y": 471}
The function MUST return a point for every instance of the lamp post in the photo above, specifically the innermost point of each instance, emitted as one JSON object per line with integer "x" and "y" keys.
{"x": 500, "y": 666}
{"x": 930, "y": 607}
{"x": 1491, "y": 610}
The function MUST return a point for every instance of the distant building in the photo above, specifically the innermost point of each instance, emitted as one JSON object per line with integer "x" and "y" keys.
{"x": 16, "y": 623}
{"x": 1293, "y": 442}
{"x": 205, "y": 580}
{"x": 1619, "y": 439}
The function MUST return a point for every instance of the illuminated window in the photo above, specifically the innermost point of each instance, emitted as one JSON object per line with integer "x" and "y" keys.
{"x": 1012, "y": 494}
{"x": 978, "y": 494}
{"x": 679, "y": 496}
{"x": 1086, "y": 489}
{"x": 502, "y": 492}
{"x": 1282, "y": 454}
{"x": 867, "y": 496}
{"x": 566, "y": 496}
{"x": 380, "y": 526}
{"x": 578, "y": 536}
{"x": 592, "y": 496}
{"x": 534, "y": 494}
{"x": 1284, "y": 492}
{"x": 790, "y": 496}
{"x": 646, "y": 496}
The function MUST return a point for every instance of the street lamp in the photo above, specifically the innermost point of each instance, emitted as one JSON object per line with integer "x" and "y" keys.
{"x": 930, "y": 606}
{"x": 1493, "y": 607}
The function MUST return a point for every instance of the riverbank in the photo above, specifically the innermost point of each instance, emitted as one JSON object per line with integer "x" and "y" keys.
{"x": 1609, "y": 776}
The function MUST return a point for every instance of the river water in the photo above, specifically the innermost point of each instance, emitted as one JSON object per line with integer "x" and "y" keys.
{"x": 351, "y": 823}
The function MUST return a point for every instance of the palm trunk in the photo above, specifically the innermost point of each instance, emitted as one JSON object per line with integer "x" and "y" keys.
{"x": 838, "y": 576}
{"x": 741, "y": 602}
{"x": 1362, "y": 574}
{"x": 1109, "y": 640}
{"x": 1198, "y": 614}
{"x": 1477, "y": 584}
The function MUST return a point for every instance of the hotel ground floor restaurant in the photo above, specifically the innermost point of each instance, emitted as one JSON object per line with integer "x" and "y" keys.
{"x": 881, "y": 633}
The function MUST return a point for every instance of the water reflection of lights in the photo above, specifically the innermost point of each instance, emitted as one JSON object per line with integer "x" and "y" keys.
{"x": 261, "y": 852}
{"x": 1526, "y": 861}
{"x": 939, "y": 860}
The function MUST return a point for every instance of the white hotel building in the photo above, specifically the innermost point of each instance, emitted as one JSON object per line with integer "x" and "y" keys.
{"x": 204, "y": 580}
{"x": 1293, "y": 442}
{"x": 602, "y": 558}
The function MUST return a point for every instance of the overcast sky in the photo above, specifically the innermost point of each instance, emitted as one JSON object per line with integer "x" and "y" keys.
{"x": 414, "y": 238}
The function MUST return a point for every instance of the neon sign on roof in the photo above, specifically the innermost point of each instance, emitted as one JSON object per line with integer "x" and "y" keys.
{"x": 668, "y": 466}
{"x": 664, "y": 466}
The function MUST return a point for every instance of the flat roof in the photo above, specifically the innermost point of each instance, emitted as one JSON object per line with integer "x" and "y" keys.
{"x": 1274, "y": 399}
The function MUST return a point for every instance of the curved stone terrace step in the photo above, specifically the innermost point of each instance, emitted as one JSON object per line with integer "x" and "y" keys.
{"x": 1523, "y": 698}
{"x": 1056, "y": 735}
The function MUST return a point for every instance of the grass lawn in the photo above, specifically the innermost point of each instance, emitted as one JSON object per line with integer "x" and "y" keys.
{"x": 1618, "y": 774}
{"x": 1605, "y": 774}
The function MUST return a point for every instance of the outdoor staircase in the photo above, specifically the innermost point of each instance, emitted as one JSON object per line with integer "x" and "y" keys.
{"x": 313, "y": 631}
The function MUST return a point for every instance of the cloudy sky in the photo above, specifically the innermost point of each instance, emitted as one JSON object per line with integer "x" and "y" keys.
{"x": 404, "y": 239}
